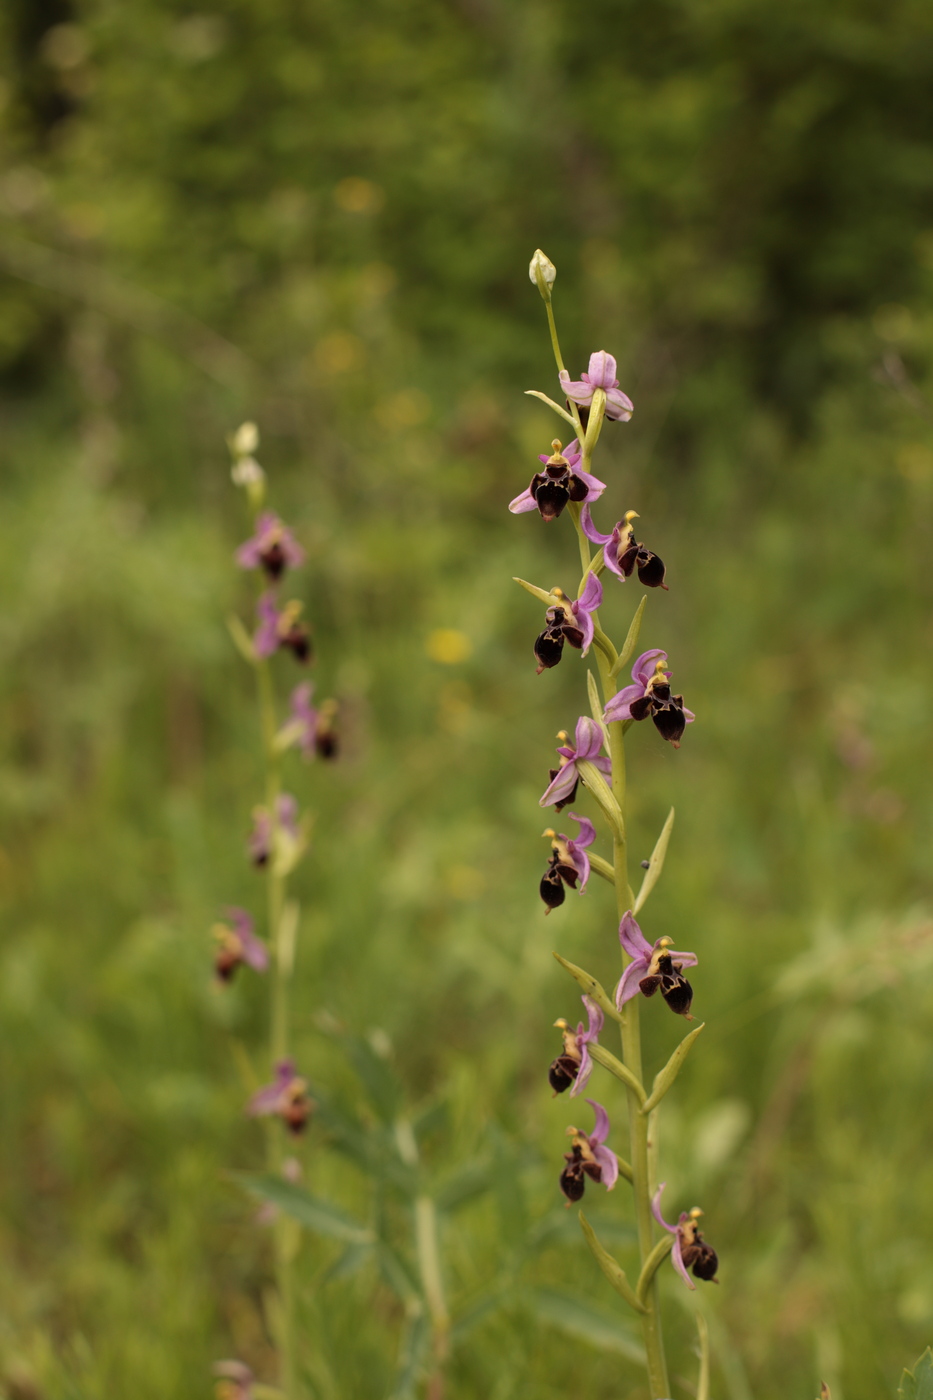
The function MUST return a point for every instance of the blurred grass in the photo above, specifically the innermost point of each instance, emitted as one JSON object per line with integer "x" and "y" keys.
{"x": 321, "y": 218}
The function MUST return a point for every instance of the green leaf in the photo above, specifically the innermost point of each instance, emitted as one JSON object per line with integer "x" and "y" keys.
{"x": 583, "y": 1320}
{"x": 412, "y": 1352}
{"x": 656, "y": 863}
{"x": 545, "y": 596}
{"x": 469, "y": 1181}
{"x": 602, "y": 792}
{"x": 666, "y": 1076}
{"x": 537, "y": 394}
{"x": 323, "y": 1217}
{"x": 631, "y": 639}
{"x": 592, "y": 988}
{"x": 602, "y": 867}
{"x": 621, "y": 1071}
{"x": 398, "y": 1275}
{"x": 484, "y": 1305}
{"x": 613, "y": 1270}
{"x": 918, "y": 1383}
{"x": 241, "y": 639}
{"x": 377, "y": 1077}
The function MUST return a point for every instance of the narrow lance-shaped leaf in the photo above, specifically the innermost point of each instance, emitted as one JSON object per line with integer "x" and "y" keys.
{"x": 666, "y": 1076}
{"x": 601, "y": 867}
{"x": 590, "y": 1324}
{"x": 592, "y": 988}
{"x": 600, "y": 789}
{"x": 537, "y": 394}
{"x": 631, "y": 638}
{"x": 323, "y": 1217}
{"x": 241, "y": 639}
{"x": 545, "y": 597}
{"x": 596, "y": 705}
{"x": 613, "y": 1271}
{"x": 616, "y": 1067}
{"x": 412, "y": 1353}
{"x": 656, "y": 863}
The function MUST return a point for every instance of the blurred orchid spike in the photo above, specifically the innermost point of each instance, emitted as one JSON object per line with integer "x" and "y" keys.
{"x": 690, "y": 1250}
{"x": 560, "y": 482}
{"x": 622, "y": 553}
{"x": 272, "y": 547}
{"x": 286, "y": 1098}
{"x": 654, "y": 967}
{"x": 568, "y": 863}
{"x": 573, "y": 1067}
{"x": 651, "y": 695}
{"x": 600, "y": 374}
{"x": 588, "y": 741}
{"x": 589, "y": 1157}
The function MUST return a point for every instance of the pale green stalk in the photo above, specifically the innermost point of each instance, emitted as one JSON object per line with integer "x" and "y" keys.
{"x": 278, "y": 1028}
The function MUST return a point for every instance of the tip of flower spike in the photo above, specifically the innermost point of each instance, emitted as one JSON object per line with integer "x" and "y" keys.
{"x": 542, "y": 273}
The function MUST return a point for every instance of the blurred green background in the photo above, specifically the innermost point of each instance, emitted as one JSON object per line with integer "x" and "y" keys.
{"x": 319, "y": 216}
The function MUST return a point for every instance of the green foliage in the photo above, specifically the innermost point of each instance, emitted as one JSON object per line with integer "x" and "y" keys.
{"x": 320, "y": 217}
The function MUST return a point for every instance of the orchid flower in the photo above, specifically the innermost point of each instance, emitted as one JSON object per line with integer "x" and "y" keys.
{"x": 560, "y": 482}
{"x": 600, "y": 374}
{"x": 651, "y": 695}
{"x": 588, "y": 740}
{"x": 573, "y": 1067}
{"x": 568, "y": 863}
{"x": 238, "y": 944}
{"x": 279, "y": 627}
{"x": 622, "y": 553}
{"x": 286, "y": 1098}
{"x": 272, "y": 547}
{"x": 575, "y": 626}
{"x": 259, "y": 843}
{"x": 589, "y": 1157}
{"x": 689, "y": 1250}
{"x": 653, "y": 967}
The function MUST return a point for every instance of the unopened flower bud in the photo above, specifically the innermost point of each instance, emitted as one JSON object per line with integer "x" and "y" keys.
{"x": 249, "y": 475}
{"x": 542, "y": 273}
{"x": 245, "y": 440}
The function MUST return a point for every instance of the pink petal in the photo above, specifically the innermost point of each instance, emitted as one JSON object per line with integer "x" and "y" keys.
{"x": 643, "y": 669}
{"x": 601, "y": 370}
{"x": 589, "y": 529}
{"x": 678, "y": 1262}
{"x": 587, "y": 832}
{"x": 588, "y": 738}
{"x": 576, "y": 389}
{"x": 656, "y": 1210}
{"x": 618, "y": 405}
{"x": 594, "y": 487}
{"x": 601, "y": 1130}
{"x": 609, "y": 1162}
{"x": 632, "y": 939}
{"x": 561, "y": 787}
{"x": 522, "y": 503}
{"x": 619, "y": 707}
{"x": 628, "y": 983}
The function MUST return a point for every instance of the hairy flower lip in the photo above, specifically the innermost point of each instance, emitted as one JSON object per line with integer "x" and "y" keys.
{"x": 272, "y": 547}
{"x": 645, "y": 959}
{"x": 650, "y": 694}
{"x": 561, "y": 480}
{"x": 689, "y": 1247}
{"x": 622, "y": 553}
{"x": 589, "y": 1156}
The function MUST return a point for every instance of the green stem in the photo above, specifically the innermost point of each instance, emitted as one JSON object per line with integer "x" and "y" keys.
{"x": 631, "y": 1051}
{"x": 429, "y": 1266}
{"x": 278, "y": 1027}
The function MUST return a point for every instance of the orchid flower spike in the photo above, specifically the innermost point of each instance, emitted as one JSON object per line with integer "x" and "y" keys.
{"x": 272, "y": 547}
{"x": 622, "y": 554}
{"x": 279, "y": 627}
{"x": 651, "y": 695}
{"x": 600, "y": 374}
{"x": 237, "y": 944}
{"x": 573, "y": 1067}
{"x": 560, "y": 482}
{"x": 588, "y": 741}
{"x": 589, "y": 1157}
{"x": 690, "y": 1250}
{"x": 286, "y": 1098}
{"x": 569, "y": 861}
{"x": 653, "y": 967}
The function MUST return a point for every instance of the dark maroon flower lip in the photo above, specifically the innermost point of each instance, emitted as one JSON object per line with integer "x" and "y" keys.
{"x": 286, "y": 1098}
{"x": 650, "y": 694}
{"x": 654, "y": 967}
{"x": 561, "y": 481}
{"x": 589, "y": 1157}
{"x": 272, "y": 547}
{"x": 690, "y": 1250}
{"x": 573, "y": 1067}
{"x": 622, "y": 553}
